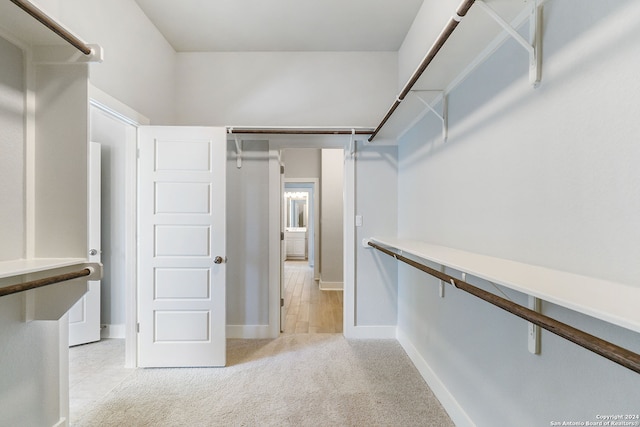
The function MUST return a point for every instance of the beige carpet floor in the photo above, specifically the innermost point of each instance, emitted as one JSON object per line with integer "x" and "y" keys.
{"x": 294, "y": 380}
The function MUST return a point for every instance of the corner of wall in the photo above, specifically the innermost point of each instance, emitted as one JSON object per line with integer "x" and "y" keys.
{"x": 448, "y": 401}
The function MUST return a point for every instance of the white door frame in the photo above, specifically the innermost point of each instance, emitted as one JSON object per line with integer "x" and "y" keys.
{"x": 275, "y": 242}
{"x": 126, "y": 115}
{"x": 349, "y": 326}
{"x": 275, "y": 204}
{"x": 86, "y": 329}
{"x": 315, "y": 182}
{"x": 316, "y": 214}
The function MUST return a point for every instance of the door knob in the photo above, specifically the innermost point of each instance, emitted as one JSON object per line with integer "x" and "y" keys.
{"x": 218, "y": 260}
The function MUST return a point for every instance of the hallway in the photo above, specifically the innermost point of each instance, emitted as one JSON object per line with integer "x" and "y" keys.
{"x": 309, "y": 310}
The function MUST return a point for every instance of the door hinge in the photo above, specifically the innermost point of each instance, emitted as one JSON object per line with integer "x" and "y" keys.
{"x": 138, "y": 327}
{"x": 281, "y": 302}
{"x": 282, "y": 235}
{"x": 281, "y": 170}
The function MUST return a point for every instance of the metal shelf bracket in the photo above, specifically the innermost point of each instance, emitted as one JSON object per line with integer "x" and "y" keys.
{"x": 238, "y": 151}
{"x": 352, "y": 143}
{"x": 533, "y": 45}
{"x": 443, "y": 116}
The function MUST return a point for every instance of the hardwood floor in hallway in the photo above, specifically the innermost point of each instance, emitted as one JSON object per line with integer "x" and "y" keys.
{"x": 309, "y": 310}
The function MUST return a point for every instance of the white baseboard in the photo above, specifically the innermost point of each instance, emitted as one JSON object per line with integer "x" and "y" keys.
{"x": 113, "y": 331}
{"x": 249, "y": 331}
{"x": 371, "y": 332}
{"x": 448, "y": 401}
{"x": 331, "y": 286}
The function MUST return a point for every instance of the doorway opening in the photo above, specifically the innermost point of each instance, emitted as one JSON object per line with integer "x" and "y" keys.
{"x": 308, "y": 308}
{"x": 311, "y": 256}
{"x": 300, "y": 216}
{"x": 96, "y": 366}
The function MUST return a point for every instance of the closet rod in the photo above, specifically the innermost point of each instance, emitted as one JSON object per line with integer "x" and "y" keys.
{"x": 21, "y": 287}
{"x": 299, "y": 131}
{"x": 39, "y": 15}
{"x": 435, "y": 48}
{"x": 615, "y": 353}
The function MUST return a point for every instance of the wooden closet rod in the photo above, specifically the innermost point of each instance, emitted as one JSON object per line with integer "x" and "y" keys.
{"x": 21, "y": 287}
{"x": 299, "y": 131}
{"x": 435, "y": 48}
{"x": 32, "y": 10}
{"x": 615, "y": 353}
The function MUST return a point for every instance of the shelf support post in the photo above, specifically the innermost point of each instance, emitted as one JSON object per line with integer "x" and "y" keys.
{"x": 238, "y": 151}
{"x": 533, "y": 330}
{"x": 532, "y": 47}
{"x": 535, "y": 36}
{"x": 352, "y": 143}
{"x": 443, "y": 116}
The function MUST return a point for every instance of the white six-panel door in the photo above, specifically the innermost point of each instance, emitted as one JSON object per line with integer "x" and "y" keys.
{"x": 182, "y": 241}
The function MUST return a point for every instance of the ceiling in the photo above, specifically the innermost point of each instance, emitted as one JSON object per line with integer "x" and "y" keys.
{"x": 282, "y": 25}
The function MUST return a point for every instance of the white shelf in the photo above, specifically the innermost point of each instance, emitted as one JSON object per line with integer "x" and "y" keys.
{"x": 477, "y": 36}
{"x": 52, "y": 301}
{"x": 612, "y": 302}
{"x": 26, "y": 266}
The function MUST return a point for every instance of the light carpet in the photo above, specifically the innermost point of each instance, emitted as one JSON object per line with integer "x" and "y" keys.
{"x": 301, "y": 380}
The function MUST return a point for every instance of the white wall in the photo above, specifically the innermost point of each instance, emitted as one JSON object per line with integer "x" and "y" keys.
{"x": 284, "y": 88}
{"x": 248, "y": 235}
{"x": 139, "y": 64}
{"x": 60, "y": 162}
{"x": 29, "y": 358}
{"x": 331, "y": 218}
{"x": 12, "y": 214}
{"x": 301, "y": 162}
{"x": 376, "y": 170}
{"x": 427, "y": 25}
{"x": 547, "y": 177}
